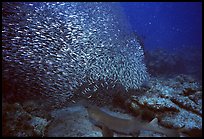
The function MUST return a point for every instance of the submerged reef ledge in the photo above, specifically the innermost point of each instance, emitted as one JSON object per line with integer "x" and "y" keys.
{"x": 175, "y": 102}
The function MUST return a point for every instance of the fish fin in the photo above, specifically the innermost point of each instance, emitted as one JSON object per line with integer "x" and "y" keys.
{"x": 167, "y": 132}
{"x": 154, "y": 122}
{"x": 182, "y": 129}
{"x": 107, "y": 132}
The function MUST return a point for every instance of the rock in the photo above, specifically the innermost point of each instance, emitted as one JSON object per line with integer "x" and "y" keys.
{"x": 188, "y": 91}
{"x": 134, "y": 108}
{"x": 37, "y": 108}
{"x": 39, "y": 125}
{"x": 196, "y": 97}
{"x": 150, "y": 134}
{"x": 188, "y": 104}
{"x": 156, "y": 103}
{"x": 183, "y": 118}
{"x": 176, "y": 104}
{"x": 71, "y": 122}
{"x": 20, "y": 123}
{"x": 185, "y": 78}
{"x": 14, "y": 121}
{"x": 30, "y": 105}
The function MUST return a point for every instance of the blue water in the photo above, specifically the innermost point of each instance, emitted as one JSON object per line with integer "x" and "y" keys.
{"x": 166, "y": 24}
{"x": 175, "y": 27}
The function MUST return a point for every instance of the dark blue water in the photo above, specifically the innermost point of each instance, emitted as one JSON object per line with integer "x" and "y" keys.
{"x": 175, "y": 27}
{"x": 166, "y": 24}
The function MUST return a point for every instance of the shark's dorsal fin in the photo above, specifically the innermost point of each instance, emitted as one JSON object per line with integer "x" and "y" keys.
{"x": 154, "y": 122}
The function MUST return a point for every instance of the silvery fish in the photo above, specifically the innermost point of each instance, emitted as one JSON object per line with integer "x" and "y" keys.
{"x": 52, "y": 49}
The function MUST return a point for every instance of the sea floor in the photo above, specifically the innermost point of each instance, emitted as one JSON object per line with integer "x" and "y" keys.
{"x": 175, "y": 102}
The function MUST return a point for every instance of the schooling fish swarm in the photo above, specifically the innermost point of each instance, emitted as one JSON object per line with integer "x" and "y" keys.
{"x": 52, "y": 48}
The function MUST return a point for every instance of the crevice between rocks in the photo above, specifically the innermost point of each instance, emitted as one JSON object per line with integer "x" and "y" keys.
{"x": 179, "y": 104}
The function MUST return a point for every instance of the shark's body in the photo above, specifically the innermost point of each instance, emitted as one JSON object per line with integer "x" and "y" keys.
{"x": 126, "y": 126}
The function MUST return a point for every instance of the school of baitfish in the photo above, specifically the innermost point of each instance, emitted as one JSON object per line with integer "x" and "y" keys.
{"x": 53, "y": 48}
